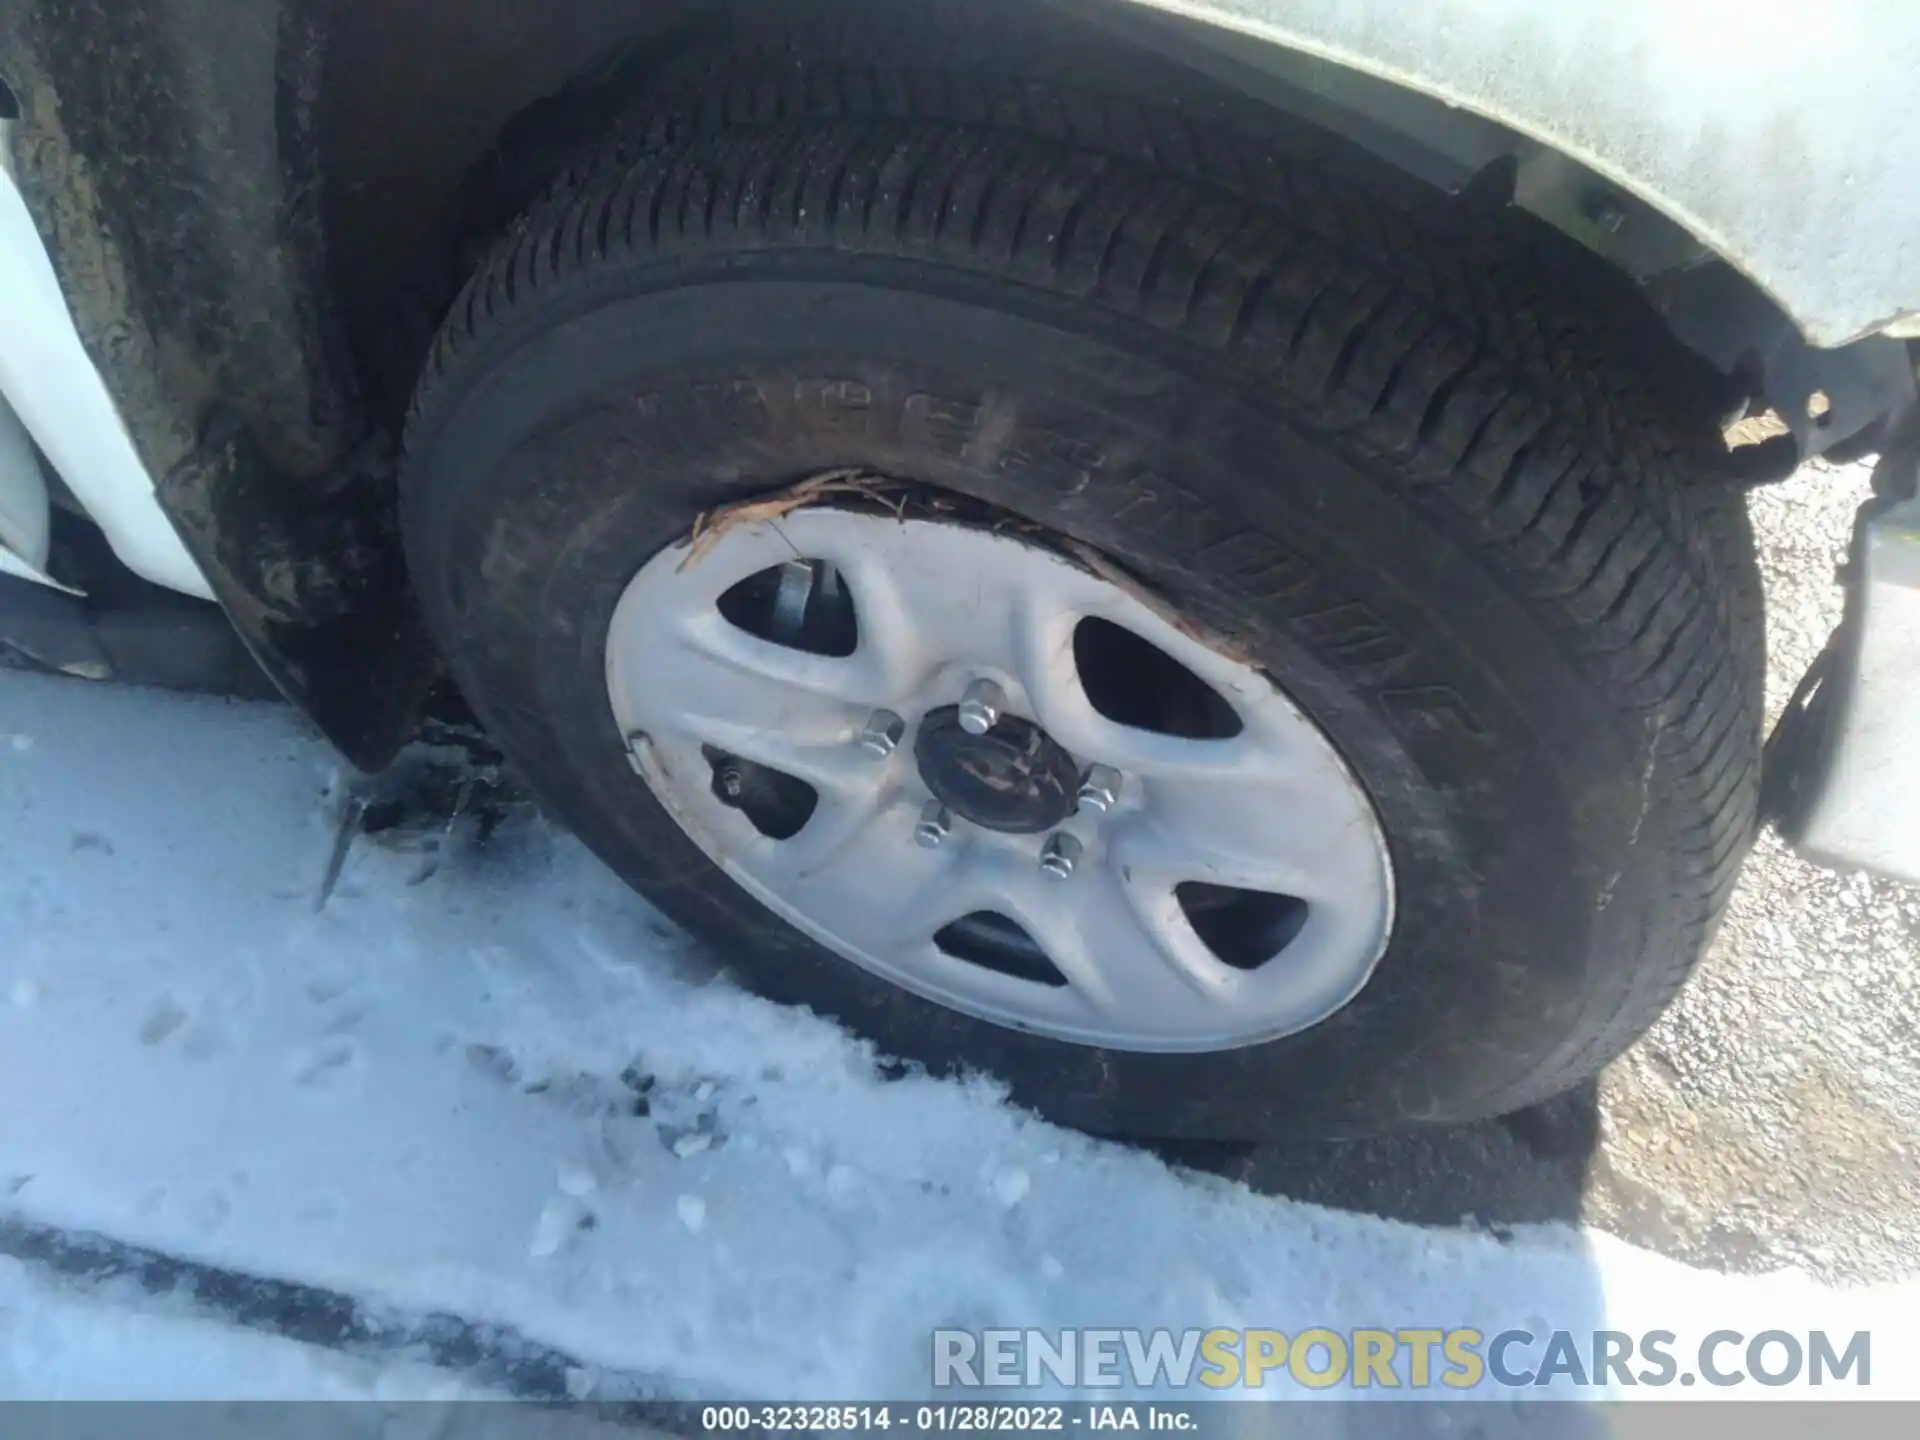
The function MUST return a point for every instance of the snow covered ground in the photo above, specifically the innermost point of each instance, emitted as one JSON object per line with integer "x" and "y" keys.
{"x": 117, "y": 1343}
{"x": 503, "y": 1089}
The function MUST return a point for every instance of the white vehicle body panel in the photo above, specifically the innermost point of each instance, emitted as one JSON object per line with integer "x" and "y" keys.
{"x": 50, "y": 385}
{"x": 1779, "y": 134}
{"x": 1861, "y": 813}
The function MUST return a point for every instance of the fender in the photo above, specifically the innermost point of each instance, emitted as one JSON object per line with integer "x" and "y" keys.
{"x": 1775, "y": 135}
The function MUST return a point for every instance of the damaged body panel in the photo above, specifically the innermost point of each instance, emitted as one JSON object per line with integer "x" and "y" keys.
{"x": 166, "y": 150}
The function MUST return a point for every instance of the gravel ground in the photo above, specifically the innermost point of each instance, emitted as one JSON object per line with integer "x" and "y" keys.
{"x": 1773, "y": 1116}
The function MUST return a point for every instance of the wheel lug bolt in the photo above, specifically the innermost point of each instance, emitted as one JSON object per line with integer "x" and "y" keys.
{"x": 882, "y": 733}
{"x": 981, "y": 706}
{"x": 1061, "y": 854}
{"x": 934, "y": 827}
{"x": 1100, "y": 789}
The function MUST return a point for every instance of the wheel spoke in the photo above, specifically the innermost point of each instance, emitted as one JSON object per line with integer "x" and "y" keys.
{"x": 761, "y": 682}
{"x": 1271, "y": 837}
{"x": 915, "y": 618}
{"x": 854, "y": 867}
{"x": 1123, "y": 947}
{"x": 1051, "y": 677}
{"x": 749, "y": 697}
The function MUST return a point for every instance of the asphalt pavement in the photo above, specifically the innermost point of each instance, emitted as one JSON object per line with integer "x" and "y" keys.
{"x": 1772, "y": 1117}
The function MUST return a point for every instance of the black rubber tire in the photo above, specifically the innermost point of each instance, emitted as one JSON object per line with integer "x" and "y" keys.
{"x": 1427, "y": 465}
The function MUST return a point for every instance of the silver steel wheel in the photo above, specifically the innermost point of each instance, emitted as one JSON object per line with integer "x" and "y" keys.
{"x": 867, "y": 723}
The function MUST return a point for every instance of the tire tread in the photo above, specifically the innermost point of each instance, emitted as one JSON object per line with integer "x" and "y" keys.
{"x": 1498, "y": 377}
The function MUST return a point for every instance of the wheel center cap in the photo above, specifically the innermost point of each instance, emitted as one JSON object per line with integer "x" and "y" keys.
{"x": 1015, "y": 778}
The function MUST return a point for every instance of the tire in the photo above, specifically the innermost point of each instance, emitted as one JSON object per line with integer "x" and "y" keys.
{"x": 1427, "y": 467}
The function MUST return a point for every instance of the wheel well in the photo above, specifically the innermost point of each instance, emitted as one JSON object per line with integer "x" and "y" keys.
{"x": 440, "y": 124}
{"x": 260, "y": 216}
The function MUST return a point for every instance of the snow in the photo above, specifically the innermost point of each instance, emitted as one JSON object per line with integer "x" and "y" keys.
{"x": 504, "y": 1088}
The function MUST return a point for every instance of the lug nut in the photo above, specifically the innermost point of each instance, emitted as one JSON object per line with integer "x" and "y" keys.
{"x": 980, "y": 707}
{"x": 1061, "y": 854}
{"x": 934, "y": 827}
{"x": 882, "y": 733}
{"x": 1100, "y": 789}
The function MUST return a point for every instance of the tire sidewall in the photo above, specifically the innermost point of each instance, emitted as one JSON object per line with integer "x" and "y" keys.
{"x": 590, "y": 433}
